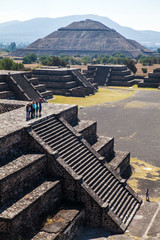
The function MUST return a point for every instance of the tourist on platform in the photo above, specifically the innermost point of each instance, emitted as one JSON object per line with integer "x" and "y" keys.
{"x": 40, "y": 106}
{"x": 27, "y": 112}
{"x": 37, "y": 107}
{"x": 147, "y": 195}
{"x": 33, "y": 108}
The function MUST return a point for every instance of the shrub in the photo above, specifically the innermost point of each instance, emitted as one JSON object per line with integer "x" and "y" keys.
{"x": 30, "y": 58}
{"x": 9, "y": 64}
{"x": 144, "y": 70}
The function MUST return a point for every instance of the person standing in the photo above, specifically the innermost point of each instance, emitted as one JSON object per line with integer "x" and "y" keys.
{"x": 40, "y": 106}
{"x": 147, "y": 195}
{"x": 27, "y": 112}
{"x": 37, "y": 107}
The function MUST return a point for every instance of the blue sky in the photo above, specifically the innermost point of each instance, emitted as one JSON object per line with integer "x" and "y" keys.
{"x": 137, "y": 14}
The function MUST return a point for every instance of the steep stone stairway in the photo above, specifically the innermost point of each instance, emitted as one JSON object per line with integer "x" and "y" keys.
{"x": 41, "y": 88}
{"x": 83, "y": 81}
{"x": 21, "y": 83}
{"x": 121, "y": 201}
{"x": 112, "y": 75}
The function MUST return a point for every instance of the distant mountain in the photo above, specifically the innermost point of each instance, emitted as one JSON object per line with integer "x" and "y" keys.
{"x": 30, "y": 30}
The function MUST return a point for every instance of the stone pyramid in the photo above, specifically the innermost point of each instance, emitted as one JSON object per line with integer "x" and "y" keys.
{"x": 85, "y": 38}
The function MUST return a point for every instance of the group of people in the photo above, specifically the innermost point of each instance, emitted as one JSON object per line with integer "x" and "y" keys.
{"x": 34, "y": 109}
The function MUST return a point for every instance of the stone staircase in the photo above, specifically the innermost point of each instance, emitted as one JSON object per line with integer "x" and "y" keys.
{"x": 116, "y": 201}
{"x": 111, "y": 75}
{"x": 22, "y": 87}
{"x": 119, "y": 161}
{"x": 5, "y": 92}
{"x": 41, "y": 88}
{"x": 84, "y": 82}
{"x": 152, "y": 80}
{"x": 64, "y": 81}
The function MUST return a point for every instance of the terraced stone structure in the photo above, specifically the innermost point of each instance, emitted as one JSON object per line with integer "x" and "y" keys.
{"x": 64, "y": 81}
{"x": 109, "y": 75}
{"x": 86, "y": 37}
{"x": 57, "y": 167}
{"x": 152, "y": 80}
{"x": 21, "y": 86}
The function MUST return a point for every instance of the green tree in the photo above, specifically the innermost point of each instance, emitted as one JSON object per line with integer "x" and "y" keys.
{"x": 131, "y": 65}
{"x": 9, "y": 64}
{"x": 30, "y": 58}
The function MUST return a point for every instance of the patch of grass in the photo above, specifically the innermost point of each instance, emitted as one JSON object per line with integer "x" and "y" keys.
{"x": 134, "y": 87}
{"x": 104, "y": 95}
{"x": 143, "y": 170}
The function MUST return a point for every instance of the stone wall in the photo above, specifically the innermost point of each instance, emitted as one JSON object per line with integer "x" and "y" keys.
{"x": 4, "y": 107}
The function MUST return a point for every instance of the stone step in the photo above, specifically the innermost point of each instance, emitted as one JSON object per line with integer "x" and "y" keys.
{"x": 61, "y": 143}
{"x": 128, "y": 209}
{"x": 119, "y": 202}
{"x": 33, "y": 80}
{"x": 59, "y": 138}
{"x": 41, "y": 87}
{"x": 95, "y": 176}
{"x": 110, "y": 194}
{"x": 64, "y": 223}
{"x": 43, "y": 123}
{"x": 103, "y": 184}
{"x": 50, "y": 131}
{"x": 47, "y": 94}
{"x": 31, "y": 210}
{"x": 107, "y": 190}
{"x": 128, "y": 218}
{"x": 79, "y": 160}
{"x": 89, "y": 171}
{"x": 20, "y": 174}
{"x": 117, "y": 197}
{"x": 48, "y": 126}
{"x": 86, "y": 167}
{"x": 97, "y": 180}
{"x": 99, "y": 183}
{"x": 104, "y": 146}
{"x": 123, "y": 205}
{"x": 3, "y": 86}
{"x": 68, "y": 146}
{"x": 72, "y": 154}
{"x": 51, "y": 135}
{"x": 6, "y": 94}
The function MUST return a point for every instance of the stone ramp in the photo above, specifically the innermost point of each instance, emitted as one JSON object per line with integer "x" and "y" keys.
{"x": 83, "y": 81}
{"x": 22, "y": 85}
{"x": 121, "y": 202}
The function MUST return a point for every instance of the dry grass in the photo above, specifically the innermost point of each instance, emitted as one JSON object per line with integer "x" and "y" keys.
{"x": 101, "y": 97}
{"x": 149, "y": 69}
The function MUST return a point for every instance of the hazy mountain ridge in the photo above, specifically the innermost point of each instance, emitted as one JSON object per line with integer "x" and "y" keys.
{"x": 30, "y": 30}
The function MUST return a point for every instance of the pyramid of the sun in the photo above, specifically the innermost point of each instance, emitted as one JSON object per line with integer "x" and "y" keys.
{"x": 85, "y": 38}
